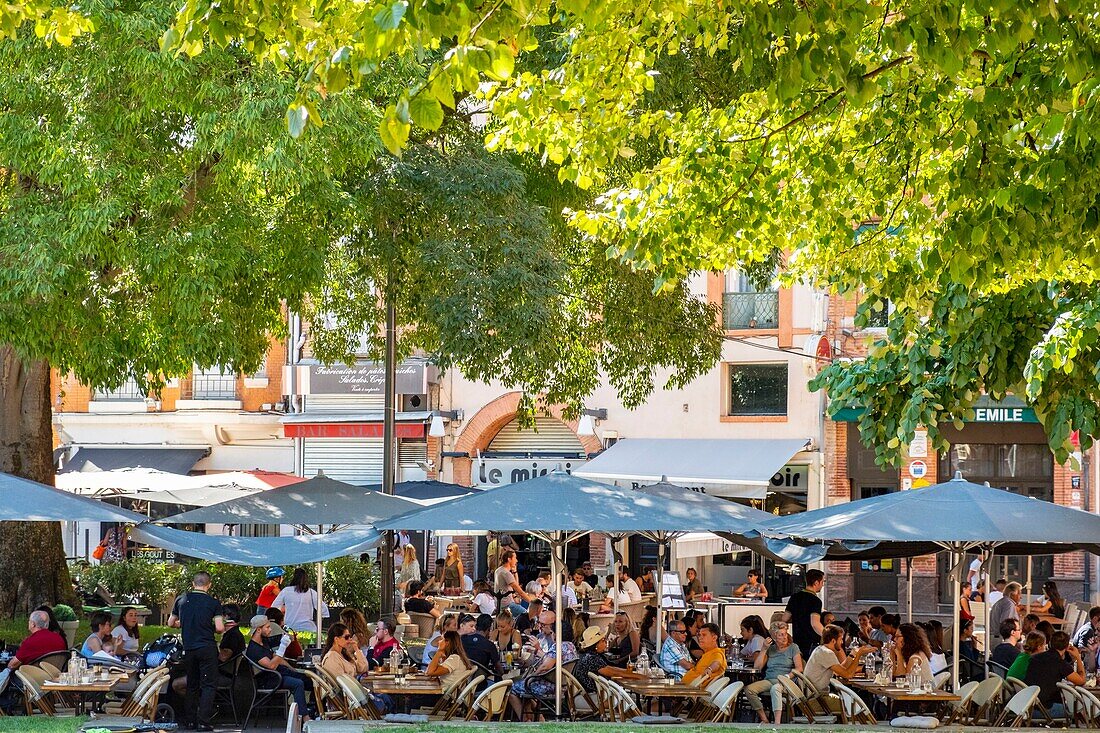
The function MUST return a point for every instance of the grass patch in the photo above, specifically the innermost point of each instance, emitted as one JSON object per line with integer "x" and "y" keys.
{"x": 40, "y": 724}
{"x": 14, "y": 630}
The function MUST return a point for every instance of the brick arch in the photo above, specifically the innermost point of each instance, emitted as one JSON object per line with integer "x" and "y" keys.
{"x": 480, "y": 430}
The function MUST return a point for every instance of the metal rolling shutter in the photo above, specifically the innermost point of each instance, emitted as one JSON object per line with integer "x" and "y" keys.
{"x": 409, "y": 452}
{"x": 344, "y": 403}
{"x": 354, "y": 460}
{"x": 549, "y": 436}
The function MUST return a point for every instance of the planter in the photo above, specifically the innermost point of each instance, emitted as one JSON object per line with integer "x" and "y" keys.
{"x": 69, "y": 629}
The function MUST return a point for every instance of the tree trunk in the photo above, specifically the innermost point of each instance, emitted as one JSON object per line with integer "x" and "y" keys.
{"x": 32, "y": 556}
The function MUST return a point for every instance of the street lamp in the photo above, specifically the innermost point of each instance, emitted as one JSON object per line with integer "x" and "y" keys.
{"x": 438, "y": 428}
{"x": 587, "y": 425}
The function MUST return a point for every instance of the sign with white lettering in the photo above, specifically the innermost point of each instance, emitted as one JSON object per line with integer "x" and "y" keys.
{"x": 503, "y": 471}
{"x": 367, "y": 378}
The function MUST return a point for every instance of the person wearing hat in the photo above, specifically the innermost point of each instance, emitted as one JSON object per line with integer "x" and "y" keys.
{"x": 593, "y": 646}
{"x": 271, "y": 589}
{"x": 275, "y": 662}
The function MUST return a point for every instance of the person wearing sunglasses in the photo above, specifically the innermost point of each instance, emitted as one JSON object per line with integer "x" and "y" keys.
{"x": 342, "y": 654}
{"x": 675, "y": 659}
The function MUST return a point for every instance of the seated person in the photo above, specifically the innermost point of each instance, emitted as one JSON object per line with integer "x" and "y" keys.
{"x": 1062, "y": 662}
{"x": 443, "y": 624}
{"x": 275, "y": 663}
{"x": 593, "y": 648}
{"x": 435, "y": 583}
{"x": 106, "y": 653}
{"x": 485, "y": 601}
{"x": 1006, "y": 652}
{"x": 753, "y": 588}
{"x": 712, "y": 664}
{"x": 674, "y": 659}
{"x": 415, "y": 602}
{"x": 829, "y": 660}
{"x": 342, "y": 654}
{"x": 100, "y": 622}
{"x": 529, "y": 622}
{"x": 1034, "y": 645}
{"x": 477, "y": 648}
{"x": 39, "y": 642}
{"x": 382, "y": 644}
{"x": 232, "y": 642}
{"x": 693, "y": 589}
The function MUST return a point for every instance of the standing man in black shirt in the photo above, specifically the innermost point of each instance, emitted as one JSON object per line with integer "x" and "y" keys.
{"x": 804, "y": 613}
{"x": 199, "y": 616}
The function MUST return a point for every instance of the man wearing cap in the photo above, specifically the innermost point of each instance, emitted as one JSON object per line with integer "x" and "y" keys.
{"x": 274, "y": 662}
{"x": 198, "y": 615}
{"x": 593, "y": 645}
{"x": 270, "y": 591}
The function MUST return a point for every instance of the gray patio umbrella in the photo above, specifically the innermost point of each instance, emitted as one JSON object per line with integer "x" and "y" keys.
{"x": 559, "y": 508}
{"x": 259, "y": 551}
{"x": 313, "y": 503}
{"x": 29, "y": 501}
{"x": 316, "y": 505}
{"x": 733, "y": 521}
{"x": 957, "y": 516}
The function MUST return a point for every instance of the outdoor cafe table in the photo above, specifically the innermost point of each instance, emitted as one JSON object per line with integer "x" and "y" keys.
{"x": 661, "y": 691}
{"x": 896, "y": 695}
{"x": 82, "y": 691}
{"x": 386, "y": 684}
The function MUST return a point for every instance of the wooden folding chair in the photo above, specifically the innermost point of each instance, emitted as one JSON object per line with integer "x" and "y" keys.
{"x": 360, "y": 705}
{"x": 450, "y": 690}
{"x": 493, "y": 702}
{"x": 852, "y": 707}
{"x": 465, "y": 697}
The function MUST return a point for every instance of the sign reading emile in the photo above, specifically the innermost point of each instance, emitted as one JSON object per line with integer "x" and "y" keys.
{"x": 367, "y": 378}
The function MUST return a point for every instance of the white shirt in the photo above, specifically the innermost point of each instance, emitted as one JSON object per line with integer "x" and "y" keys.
{"x": 819, "y": 666}
{"x": 979, "y": 576}
{"x": 633, "y": 592}
{"x": 467, "y": 583}
{"x": 568, "y": 597}
{"x": 486, "y": 603}
{"x": 299, "y": 608}
{"x": 994, "y": 596}
{"x": 124, "y": 643}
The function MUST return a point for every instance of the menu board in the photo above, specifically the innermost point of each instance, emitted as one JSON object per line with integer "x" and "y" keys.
{"x": 672, "y": 591}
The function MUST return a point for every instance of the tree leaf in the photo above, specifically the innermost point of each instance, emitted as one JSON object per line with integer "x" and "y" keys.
{"x": 426, "y": 112}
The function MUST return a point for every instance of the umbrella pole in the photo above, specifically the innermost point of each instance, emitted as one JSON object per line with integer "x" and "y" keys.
{"x": 660, "y": 591}
{"x": 1028, "y": 585}
{"x": 957, "y": 582}
{"x": 618, "y": 571}
{"x": 985, "y": 622}
{"x": 555, "y": 572}
{"x": 320, "y": 588}
{"x": 909, "y": 589}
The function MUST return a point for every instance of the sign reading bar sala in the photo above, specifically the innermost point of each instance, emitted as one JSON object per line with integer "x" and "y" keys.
{"x": 367, "y": 378}
{"x": 350, "y": 430}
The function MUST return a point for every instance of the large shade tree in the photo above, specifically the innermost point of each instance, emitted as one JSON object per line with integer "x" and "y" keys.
{"x": 156, "y": 215}
{"x": 967, "y": 131}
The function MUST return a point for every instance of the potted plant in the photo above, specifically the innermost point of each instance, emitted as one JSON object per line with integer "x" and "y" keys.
{"x": 66, "y": 617}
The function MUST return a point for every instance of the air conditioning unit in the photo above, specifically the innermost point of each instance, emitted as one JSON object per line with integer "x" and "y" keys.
{"x": 414, "y": 403}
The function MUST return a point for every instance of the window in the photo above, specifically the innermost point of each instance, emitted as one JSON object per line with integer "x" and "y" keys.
{"x": 128, "y": 391}
{"x": 880, "y": 317}
{"x": 758, "y": 389}
{"x": 743, "y": 306}
{"x": 213, "y": 384}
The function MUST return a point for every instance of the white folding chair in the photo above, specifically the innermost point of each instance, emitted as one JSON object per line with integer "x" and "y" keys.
{"x": 852, "y": 707}
{"x": 293, "y": 720}
{"x": 1073, "y": 704}
{"x": 939, "y": 680}
{"x": 1018, "y": 710}
{"x": 986, "y": 696}
{"x": 957, "y": 708}
{"x": 725, "y": 703}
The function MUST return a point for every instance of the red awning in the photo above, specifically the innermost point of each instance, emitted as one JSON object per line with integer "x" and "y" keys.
{"x": 350, "y": 430}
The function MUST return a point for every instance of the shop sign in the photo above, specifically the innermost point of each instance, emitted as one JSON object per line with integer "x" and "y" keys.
{"x": 918, "y": 447}
{"x": 791, "y": 479}
{"x": 503, "y": 471}
{"x": 918, "y": 469}
{"x": 350, "y": 430}
{"x": 367, "y": 378}
{"x": 152, "y": 554}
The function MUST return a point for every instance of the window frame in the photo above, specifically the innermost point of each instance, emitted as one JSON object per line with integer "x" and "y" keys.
{"x": 729, "y": 372}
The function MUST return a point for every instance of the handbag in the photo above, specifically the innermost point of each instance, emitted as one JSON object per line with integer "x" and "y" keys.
{"x": 100, "y": 550}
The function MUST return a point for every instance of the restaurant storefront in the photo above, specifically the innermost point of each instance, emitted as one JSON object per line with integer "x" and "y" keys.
{"x": 1002, "y": 444}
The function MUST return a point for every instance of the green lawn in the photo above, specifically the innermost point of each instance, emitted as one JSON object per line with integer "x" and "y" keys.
{"x": 12, "y": 631}
{"x": 40, "y": 725}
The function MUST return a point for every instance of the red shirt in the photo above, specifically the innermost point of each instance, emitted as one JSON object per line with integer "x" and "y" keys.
{"x": 268, "y": 594}
{"x": 40, "y": 642}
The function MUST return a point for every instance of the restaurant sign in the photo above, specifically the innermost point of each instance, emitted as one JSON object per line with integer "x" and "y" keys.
{"x": 503, "y": 471}
{"x": 367, "y": 378}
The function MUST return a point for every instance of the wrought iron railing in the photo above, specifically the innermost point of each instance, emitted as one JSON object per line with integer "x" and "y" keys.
{"x": 750, "y": 310}
{"x": 128, "y": 391}
{"x": 214, "y": 386}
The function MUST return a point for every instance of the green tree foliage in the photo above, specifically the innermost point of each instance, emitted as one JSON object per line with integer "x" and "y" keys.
{"x": 967, "y": 129}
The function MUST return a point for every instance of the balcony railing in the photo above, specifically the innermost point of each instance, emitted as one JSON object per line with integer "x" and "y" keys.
{"x": 128, "y": 391}
{"x": 750, "y": 310}
{"x": 214, "y": 387}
